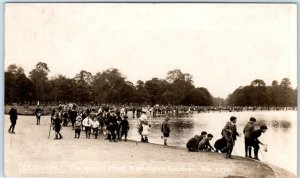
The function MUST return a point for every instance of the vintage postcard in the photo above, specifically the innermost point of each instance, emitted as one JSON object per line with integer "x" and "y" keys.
{"x": 150, "y": 90}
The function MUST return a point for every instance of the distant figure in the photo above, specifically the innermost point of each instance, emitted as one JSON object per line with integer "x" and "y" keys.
{"x": 77, "y": 127}
{"x": 57, "y": 127}
{"x": 95, "y": 126}
{"x": 254, "y": 139}
{"x": 145, "y": 132}
{"x": 38, "y": 113}
{"x": 13, "y": 115}
{"x": 249, "y": 128}
{"x": 73, "y": 115}
{"x": 165, "y": 129}
{"x": 141, "y": 120}
{"x": 230, "y": 133}
{"x": 124, "y": 127}
{"x": 204, "y": 144}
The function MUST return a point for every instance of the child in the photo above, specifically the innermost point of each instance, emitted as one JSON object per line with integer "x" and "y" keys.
{"x": 95, "y": 126}
{"x": 77, "y": 127}
{"x": 124, "y": 128}
{"x": 87, "y": 123}
{"x": 165, "y": 129}
{"x": 220, "y": 145}
{"x": 145, "y": 132}
{"x": 192, "y": 144}
{"x": 205, "y": 145}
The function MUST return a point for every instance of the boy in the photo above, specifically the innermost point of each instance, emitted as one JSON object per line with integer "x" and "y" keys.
{"x": 124, "y": 127}
{"x": 87, "y": 123}
{"x": 57, "y": 127}
{"x": 193, "y": 143}
{"x": 230, "y": 133}
{"x": 205, "y": 145}
{"x": 38, "y": 113}
{"x": 254, "y": 139}
{"x": 220, "y": 144}
{"x": 165, "y": 129}
{"x": 249, "y": 128}
{"x": 95, "y": 126}
{"x": 77, "y": 127}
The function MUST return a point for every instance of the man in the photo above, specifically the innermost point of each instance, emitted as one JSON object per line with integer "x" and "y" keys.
{"x": 249, "y": 128}
{"x": 230, "y": 133}
{"x": 13, "y": 115}
{"x": 254, "y": 139}
{"x": 38, "y": 113}
{"x": 165, "y": 129}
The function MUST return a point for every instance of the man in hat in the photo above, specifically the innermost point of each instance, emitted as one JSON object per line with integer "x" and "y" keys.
{"x": 13, "y": 115}
{"x": 38, "y": 113}
{"x": 249, "y": 128}
{"x": 254, "y": 139}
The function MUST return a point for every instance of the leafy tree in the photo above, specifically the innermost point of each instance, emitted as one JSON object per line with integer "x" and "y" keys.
{"x": 39, "y": 79}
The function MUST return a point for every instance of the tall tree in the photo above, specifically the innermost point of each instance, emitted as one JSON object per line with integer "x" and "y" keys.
{"x": 39, "y": 78}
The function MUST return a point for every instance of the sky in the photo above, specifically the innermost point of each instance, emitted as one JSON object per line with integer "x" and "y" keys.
{"x": 223, "y": 46}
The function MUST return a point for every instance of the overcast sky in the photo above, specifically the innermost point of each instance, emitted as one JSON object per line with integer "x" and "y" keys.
{"x": 223, "y": 46}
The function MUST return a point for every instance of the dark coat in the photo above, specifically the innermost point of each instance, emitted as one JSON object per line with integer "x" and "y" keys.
{"x": 124, "y": 125}
{"x": 13, "y": 115}
{"x": 230, "y": 132}
{"x": 255, "y": 134}
{"x": 249, "y": 127}
{"x": 165, "y": 127}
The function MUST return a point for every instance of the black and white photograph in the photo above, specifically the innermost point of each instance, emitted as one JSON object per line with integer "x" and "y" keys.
{"x": 158, "y": 89}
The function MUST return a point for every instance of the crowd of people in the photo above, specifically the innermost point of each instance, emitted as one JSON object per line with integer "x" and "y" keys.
{"x": 113, "y": 123}
{"x": 229, "y": 136}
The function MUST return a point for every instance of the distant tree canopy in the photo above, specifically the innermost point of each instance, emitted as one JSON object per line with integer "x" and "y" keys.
{"x": 258, "y": 94}
{"x": 109, "y": 86}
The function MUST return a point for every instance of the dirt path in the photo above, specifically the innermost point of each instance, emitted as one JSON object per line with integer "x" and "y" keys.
{"x": 29, "y": 152}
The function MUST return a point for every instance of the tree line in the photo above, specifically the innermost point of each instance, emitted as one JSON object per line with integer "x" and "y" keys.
{"x": 258, "y": 94}
{"x": 107, "y": 87}
{"x": 111, "y": 87}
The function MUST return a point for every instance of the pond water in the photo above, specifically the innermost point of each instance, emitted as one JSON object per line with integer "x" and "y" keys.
{"x": 281, "y": 137}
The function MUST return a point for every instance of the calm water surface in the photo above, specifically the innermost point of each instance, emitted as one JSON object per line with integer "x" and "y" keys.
{"x": 281, "y": 137}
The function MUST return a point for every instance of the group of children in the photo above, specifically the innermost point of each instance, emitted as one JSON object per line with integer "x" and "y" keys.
{"x": 105, "y": 121}
{"x": 200, "y": 142}
{"x": 229, "y": 136}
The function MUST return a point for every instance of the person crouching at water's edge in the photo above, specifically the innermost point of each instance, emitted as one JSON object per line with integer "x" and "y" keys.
{"x": 254, "y": 139}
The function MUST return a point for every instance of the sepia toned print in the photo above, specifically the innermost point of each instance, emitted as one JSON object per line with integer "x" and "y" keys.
{"x": 150, "y": 90}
